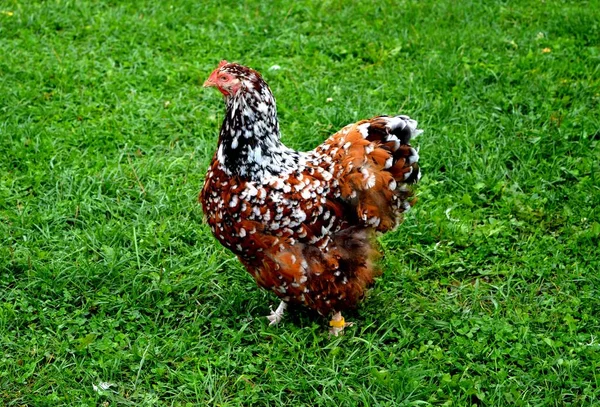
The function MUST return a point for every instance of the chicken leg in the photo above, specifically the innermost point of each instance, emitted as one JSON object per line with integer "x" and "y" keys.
{"x": 276, "y": 316}
{"x": 338, "y": 324}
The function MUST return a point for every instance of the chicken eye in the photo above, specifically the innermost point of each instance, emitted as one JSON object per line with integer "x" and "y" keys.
{"x": 222, "y": 78}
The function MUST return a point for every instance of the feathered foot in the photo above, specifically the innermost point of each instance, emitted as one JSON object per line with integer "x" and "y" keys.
{"x": 338, "y": 324}
{"x": 277, "y": 315}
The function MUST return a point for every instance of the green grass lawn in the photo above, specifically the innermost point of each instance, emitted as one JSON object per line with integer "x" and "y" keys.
{"x": 491, "y": 290}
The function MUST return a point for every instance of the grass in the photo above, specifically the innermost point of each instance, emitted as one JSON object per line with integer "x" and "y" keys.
{"x": 491, "y": 289}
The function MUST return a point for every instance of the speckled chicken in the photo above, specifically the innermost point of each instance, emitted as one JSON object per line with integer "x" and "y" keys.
{"x": 303, "y": 223}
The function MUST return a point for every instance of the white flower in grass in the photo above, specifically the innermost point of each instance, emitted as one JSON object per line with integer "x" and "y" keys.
{"x": 102, "y": 386}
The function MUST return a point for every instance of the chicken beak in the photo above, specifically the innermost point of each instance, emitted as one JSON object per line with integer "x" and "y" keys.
{"x": 208, "y": 83}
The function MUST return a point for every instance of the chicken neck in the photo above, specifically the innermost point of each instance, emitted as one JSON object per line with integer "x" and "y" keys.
{"x": 249, "y": 142}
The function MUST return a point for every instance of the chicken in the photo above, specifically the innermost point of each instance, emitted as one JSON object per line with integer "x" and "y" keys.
{"x": 304, "y": 223}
